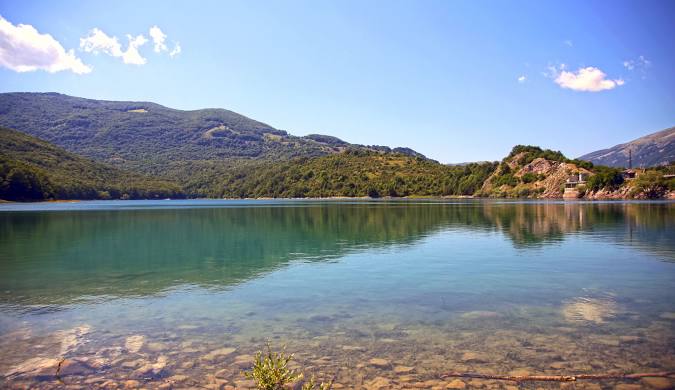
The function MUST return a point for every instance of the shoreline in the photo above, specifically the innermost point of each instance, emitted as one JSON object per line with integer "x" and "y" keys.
{"x": 671, "y": 197}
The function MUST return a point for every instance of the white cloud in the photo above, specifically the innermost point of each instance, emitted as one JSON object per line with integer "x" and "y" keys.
{"x": 24, "y": 49}
{"x": 158, "y": 38}
{"x": 640, "y": 64}
{"x": 588, "y": 79}
{"x": 99, "y": 42}
{"x": 132, "y": 56}
{"x": 176, "y": 50}
{"x": 522, "y": 79}
{"x": 568, "y": 43}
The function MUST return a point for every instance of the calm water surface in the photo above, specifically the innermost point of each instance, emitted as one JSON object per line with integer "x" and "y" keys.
{"x": 182, "y": 293}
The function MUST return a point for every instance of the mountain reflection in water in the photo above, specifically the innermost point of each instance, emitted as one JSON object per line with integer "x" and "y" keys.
{"x": 126, "y": 252}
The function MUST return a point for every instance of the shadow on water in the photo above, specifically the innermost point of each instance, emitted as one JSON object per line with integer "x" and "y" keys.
{"x": 51, "y": 257}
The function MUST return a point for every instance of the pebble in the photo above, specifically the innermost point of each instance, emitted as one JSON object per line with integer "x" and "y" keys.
{"x": 377, "y": 383}
{"x": 218, "y": 353}
{"x": 134, "y": 344}
{"x": 178, "y": 378}
{"x": 627, "y": 386}
{"x": 456, "y": 384}
{"x": 403, "y": 369}
{"x": 34, "y": 366}
{"x": 473, "y": 357}
{"x": 131, "y": 384}
{"x": 379, "y": 362}
{"x": 658, "y": 383}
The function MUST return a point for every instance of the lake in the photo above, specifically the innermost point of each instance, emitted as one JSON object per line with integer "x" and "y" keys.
{"x": 375, "y": 294}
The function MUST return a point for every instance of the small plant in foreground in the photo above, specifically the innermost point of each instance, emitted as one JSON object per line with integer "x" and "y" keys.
{"x": 271, "y": 372}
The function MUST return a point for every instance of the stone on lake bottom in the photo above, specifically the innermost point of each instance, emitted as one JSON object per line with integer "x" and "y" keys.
{"x": 658, "y": 383}
{"x": 134, "y": 344}
{"x": 456, "y": 384}
{"x": 218, "y": 353}
{"x": 668, "y": 315}
{"x": 627, "y": 386}
{"x": 34, "y": 366}
{"x": 403, "y": 369}
{"x": 379, "y": 362}
{"x": 177, "y": 378}
{"x": 473, "y": 357}
{"x": 131, "y": 384}
{"x": 377, "y": 383}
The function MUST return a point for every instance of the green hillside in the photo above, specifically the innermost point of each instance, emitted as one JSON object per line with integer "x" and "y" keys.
{"x": 353, "y": 173}
{"x": 153, "y": 139}
{"x": 32, "y": 169}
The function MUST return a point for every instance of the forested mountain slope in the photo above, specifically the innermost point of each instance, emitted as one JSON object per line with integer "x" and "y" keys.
{"x": 153, "y": 139}
{"x": 32, "y": 169}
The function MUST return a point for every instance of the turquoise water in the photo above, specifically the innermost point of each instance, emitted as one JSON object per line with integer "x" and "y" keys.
{"x": 148, "y": 290}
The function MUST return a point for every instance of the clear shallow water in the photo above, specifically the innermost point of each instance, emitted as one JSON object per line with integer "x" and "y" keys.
{"x": 148, "y": 290}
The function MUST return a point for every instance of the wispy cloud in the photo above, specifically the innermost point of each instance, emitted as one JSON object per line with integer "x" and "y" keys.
{"x": 24, "y": 49}
{"x": 588, "y": 79}
{"x": 99, "y": 42}
{"x": 176, "y": 50}
{"x": 522, "y": 79}
{"x": 568, "y": 43}
{"x": 640, "y": 64}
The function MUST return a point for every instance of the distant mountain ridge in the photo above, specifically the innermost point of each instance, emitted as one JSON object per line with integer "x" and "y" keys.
{"x": 651, "y": 150}
{"x": 153, "y": 139}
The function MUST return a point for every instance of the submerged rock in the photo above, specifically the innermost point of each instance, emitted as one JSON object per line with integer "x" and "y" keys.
{"x": 659, "y": 383}
{"x": 668, "y": 315}
{"x": 154, "y": 368}
{"x": 244, "y": 361}
{"x": 33, "y": 367}
{"x": 456, "y": 384}
{"x": 379, "y": 362}
{"x": 479, "y": 314}
{"x": 377, "y": 383}
{"x": 219, "y": 353}
{"x": 474, "y": 357}
{"x": 403, "y": 369}
{"x": 589, "y": 310}
{"x": 72, "y": 338}
{"x": 134, "y": 344}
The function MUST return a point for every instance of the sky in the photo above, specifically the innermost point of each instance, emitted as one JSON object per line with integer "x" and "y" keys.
{"x": 456, "y": 80}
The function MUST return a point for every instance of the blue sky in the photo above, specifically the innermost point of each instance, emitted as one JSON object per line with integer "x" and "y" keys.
{"x": 441, "y": 77}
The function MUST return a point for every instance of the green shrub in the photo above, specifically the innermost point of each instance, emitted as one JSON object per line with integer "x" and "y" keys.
{"x": 271, "y": 372}
{"x": 651, "y": 184}
{"x": 605, "y": 178}
{"x": 530, "y": 177}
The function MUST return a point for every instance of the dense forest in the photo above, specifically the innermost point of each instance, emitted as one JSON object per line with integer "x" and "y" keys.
{"x": 353, "y": 173}
{"x": 32, "y": 169}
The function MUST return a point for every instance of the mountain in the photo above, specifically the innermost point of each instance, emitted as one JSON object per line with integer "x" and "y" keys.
{"x": 153, "y": 139}
{"x": 648, "y": 151}
{"x": 32, "y": 169}
{"x": 529, "y": 171}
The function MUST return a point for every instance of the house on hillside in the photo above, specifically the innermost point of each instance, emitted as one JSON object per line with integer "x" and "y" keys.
{"x": 629, "y": 174}
{"x": 572, "y": 184}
